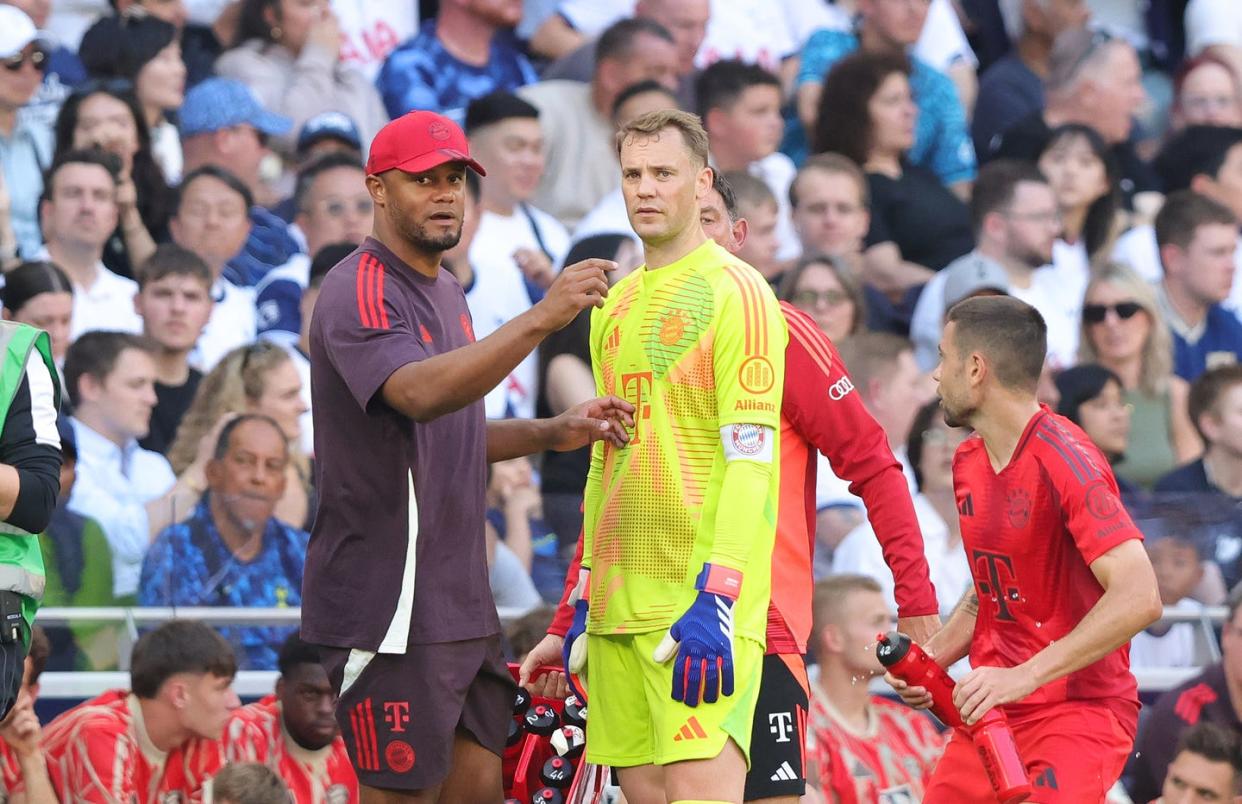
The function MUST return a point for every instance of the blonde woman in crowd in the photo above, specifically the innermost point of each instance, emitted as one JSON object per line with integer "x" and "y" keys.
{"x": 1122, "y": 330}
{"x": 259, "y": 378}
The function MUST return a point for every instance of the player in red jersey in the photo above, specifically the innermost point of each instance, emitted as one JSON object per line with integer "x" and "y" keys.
{"x": 1061, "y": 579}
{"x": 819, "y": 412}
{"x": 23, "y": 770}
{"x": 294, "y": 732}
{"x": 157, "y": 741}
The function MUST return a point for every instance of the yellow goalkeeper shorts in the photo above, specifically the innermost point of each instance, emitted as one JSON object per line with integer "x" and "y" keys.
{"x": 633, "y": 719}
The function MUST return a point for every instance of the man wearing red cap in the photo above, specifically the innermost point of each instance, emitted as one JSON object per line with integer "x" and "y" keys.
{"x": 396, "y": 584}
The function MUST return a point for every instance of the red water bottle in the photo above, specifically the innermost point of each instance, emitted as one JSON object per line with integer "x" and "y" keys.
{"x": 990, "y": 735}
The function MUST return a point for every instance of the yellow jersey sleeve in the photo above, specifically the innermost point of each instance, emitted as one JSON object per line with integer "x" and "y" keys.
{"x": 749, "y": 350}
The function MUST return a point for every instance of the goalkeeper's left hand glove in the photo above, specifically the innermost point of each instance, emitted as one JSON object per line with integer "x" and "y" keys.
{"x": 702, "y": 639}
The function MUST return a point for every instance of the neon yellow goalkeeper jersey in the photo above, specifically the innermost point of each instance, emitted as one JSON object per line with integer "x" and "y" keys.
{"x": 695, "y": 346}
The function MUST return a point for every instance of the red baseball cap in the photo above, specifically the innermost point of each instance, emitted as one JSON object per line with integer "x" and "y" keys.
{"x": 418, "y": 141}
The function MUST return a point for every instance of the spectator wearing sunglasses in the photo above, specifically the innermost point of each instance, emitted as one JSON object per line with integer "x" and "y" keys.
{"x": 25, "y": 145}
{"x": 333, "y": 206}
{"x": 1124, "y": 331}
{"x": 62, "y": 70}
{"x": 1197, "y": 237}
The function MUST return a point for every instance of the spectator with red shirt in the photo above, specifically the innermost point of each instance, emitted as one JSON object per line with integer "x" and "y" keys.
{"x": 158, "y": 739}
{"x": 294, "y": 731}
{"x": 860, "y": 746}
{"x": 23, "y": 770}
{"x": 1210, "y": 697}
{"x": 1049, "y": 641}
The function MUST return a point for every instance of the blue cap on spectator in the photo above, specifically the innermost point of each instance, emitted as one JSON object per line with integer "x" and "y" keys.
{"x": 220, "y": 103}
{"x": 329, "y": 126}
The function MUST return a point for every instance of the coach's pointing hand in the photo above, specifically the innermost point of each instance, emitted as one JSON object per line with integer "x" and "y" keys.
{"x": 581, "y": 285}
{"x": 986, "y": 687}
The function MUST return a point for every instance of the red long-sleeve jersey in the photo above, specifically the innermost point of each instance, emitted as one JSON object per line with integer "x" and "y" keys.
{"x": 821, "y": 412}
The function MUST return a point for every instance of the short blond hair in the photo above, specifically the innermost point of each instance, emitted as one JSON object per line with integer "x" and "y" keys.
{"x": 690, "y": 125}
{"x": 828, "y": 599}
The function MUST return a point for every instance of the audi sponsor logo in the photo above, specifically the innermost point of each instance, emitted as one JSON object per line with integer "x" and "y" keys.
{"x": 840, "y": 388}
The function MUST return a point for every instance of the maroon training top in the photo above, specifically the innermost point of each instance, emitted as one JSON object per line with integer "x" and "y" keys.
{"x": 397, "y": 551}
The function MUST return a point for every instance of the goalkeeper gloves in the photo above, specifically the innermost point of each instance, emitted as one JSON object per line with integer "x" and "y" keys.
{"x": 702, "y": 639}
{"x": 574, "y": 652}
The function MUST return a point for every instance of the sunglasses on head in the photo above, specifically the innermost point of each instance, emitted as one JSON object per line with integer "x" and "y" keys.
{"x": 1095, "y": 313}
{"x": 36, "y": 57}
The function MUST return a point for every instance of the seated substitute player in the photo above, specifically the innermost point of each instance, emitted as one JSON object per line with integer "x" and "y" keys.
{"x": 402, "y": 447}
{"x": 294, "y": 732}
{"x": 1206, "y": 769}
{"x": 858, "y": 449}
{"x": 1058, "y": 566}
{"x": 679, "y": 525}
{"x": 158, "y": 741}
{"x": 861, "y": 747}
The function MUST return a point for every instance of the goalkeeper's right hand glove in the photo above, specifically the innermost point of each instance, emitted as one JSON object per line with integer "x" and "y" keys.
{"x": 574, "y": 651}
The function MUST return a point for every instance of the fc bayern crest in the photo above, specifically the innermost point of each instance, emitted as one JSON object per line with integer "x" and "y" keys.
{"x": 748, "y": 439}
{"x": 1018, "y": 507}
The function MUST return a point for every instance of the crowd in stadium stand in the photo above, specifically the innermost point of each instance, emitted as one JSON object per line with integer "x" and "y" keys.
{"x": 178, "y": 176}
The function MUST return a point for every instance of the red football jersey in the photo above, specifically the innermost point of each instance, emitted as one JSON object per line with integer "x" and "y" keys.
{"x": 889, "y": 763}
{"x": 256, "y": 733}
{"x": 821, "y": 412}
{"x": 99, "y": 752}
{"x": 1031, "y": 532}
{"x": 11, "y": 781}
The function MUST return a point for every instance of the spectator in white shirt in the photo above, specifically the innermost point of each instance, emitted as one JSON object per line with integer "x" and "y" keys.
{"x": 79, "y": 214}
{"x": 741, "y": 109}
{"x": 930, "y": 452}
{"x": 131, "y": 492}
{"x": 893, "y": 389}
{"x": 1177, "y": 557}
{"x": 210, "y": 219}
{"x": 1016, "y": 221}
{"x": 513, "y": 234}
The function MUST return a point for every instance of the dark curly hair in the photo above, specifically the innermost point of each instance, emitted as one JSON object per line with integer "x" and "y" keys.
{"x": 843, "y": 123}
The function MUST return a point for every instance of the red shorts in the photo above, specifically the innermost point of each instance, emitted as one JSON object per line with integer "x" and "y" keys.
{"x": 1073, "y": 751}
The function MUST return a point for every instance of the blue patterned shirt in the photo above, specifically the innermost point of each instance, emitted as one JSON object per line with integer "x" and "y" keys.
{"x": 421, "y": 74}
{"x": 190, "y": 565}
{"x": 941, "y": 140}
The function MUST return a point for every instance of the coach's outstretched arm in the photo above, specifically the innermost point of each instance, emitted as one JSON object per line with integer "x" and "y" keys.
{"x": 1130, "y": 603}
{"x": 427, "y": 389}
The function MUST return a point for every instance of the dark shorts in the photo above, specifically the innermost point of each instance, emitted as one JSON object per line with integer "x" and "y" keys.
{"x": 1074, "y": 752}
{"x": 778, "y": 737}
{"x": 399, "y": 712}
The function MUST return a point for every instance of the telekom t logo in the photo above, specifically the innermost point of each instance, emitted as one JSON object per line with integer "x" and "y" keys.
{"x": 781, "y": 724}
{"x": 396, "y": 715}
{"x": 636, "y": 389}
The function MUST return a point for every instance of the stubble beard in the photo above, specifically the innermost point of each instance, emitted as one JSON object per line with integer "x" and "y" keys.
{"x": 417, "y": 235}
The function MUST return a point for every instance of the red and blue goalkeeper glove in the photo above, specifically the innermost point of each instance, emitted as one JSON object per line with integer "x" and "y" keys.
{"x": 702, "y": 639}
{"x": 573, "y": 651}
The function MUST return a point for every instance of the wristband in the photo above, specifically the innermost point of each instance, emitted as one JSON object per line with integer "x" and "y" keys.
{"x": 717, "y": 579}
